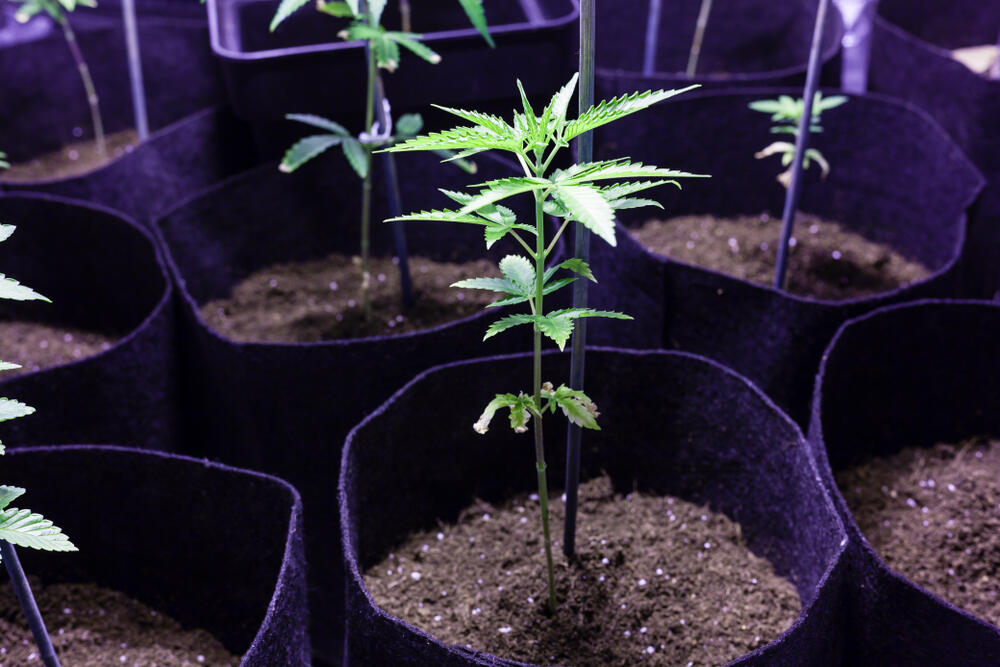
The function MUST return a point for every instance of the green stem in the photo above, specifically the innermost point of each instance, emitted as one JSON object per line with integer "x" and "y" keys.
{"x": 88, "y": 85}
{"x": 543, "y": 494}
{"x": 366, "y": 189}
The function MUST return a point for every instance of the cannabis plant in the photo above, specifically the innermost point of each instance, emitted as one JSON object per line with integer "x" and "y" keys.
{"x": 786, "y": 113}
{"x": 588, "y": 193}
{"x": 22, "y": 527}
{"x": 58, "y": 10}
{"x": 383, "y": 51}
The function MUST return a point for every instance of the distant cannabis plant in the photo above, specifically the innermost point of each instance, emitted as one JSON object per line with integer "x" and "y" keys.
{"x": 786, "y": 113}
{"x": 58, "y": 9}
{"x": 383, "y": 51}
{"x": 572, "y": 194}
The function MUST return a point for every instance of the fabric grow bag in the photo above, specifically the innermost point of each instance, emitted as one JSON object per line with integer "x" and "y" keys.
{"x": 286, "y": 408}
{"x": 102, "y": 273}
{"x": 172, "y": 164}
{"x": 746, "y": 43}
{"x": 45, "y": 106}
{"x": 672, "y": 423}
{"x": 304, "y": 68}
{"x": 904, "y": 376}
{"x": 215, "y": 547}
{"x": 896, "y": 178}
{"x": 911, "y": 59}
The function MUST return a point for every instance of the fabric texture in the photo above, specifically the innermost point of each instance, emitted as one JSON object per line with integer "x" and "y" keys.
{"x": 896, "y": 178}
{"x": 904, "y": 376}
{"x": 102, "y": 273}
{"x": 671, "y": 423}
{"x": 911, "y": 59}
{"x": 214, "y": 547}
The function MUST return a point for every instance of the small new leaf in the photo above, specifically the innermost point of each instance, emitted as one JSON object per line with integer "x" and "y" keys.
{"x": 24, "y": 528}
{"x": 519, "y": 271}
{"x": 8, "y": 494}
{"x": 11, "y": 409}
{"x": 576, "y": 405}
{"x": 586, "y": 204}
{"x": 306, "y": 149}
{"x": 11, "y": 289}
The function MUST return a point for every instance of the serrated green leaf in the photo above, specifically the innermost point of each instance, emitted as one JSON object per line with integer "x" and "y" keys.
{"x": 621, "y": 190}
{"x": 11, "y": 409}
{"x": 633, "y": 202}
{"x": 286, "y": 9}
{"x": 11, "y": 289}
{"x": 8, "y": 366}
{"x": 558, "y": 325}
{"x": 576, "y": 405}
{"x": 386, "y": 52}
{"x": 357, "y": 156}
{"x": 588, "y": 206}
{"x": 579, "y": 266}
{"x": 494, "y": 124}
{"x": 439, "y": 216}
{"x": 619, "y": 107}
{"x": 520, "y": 272}
{"x": 477, "y": 17}
{"x": 508, "y": 322}
{"x": 456, "y": 139}
{"x": 306, "y": 149}
{"x": 407, "y": 41}
{"x": 6, "y": 231}
{"x": 531, "y": 121}
{"x": 502, "y": 285}
{"x": 375, "y": 9}
{"x": 598, "y": 171}
{"x": 338, "y": 8}
{"x": 555, "y": 111}
{"x": 519, "y": 415}
{"x": 8, "y": 494}
{"x": 319, "y": 122}
{"x": 24, "y": 528}
{"x": 494, "y": 191}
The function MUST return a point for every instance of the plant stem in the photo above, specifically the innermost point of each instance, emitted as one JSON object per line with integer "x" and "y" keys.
{"x": 584, "y": 153}
{"x": 699, "y": 36}
{"x": 543, "y": 493}
{"x": 404, "y": 15}
{"x": 801, "y": 145}
{"x": 28, "y": 604}
{"x": 88, "y": 85}
{"x": 366, "y": 189}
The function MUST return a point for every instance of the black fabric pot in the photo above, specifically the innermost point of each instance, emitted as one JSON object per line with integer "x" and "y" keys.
{"x": 911, "y": 59}
{"x": 672, "y": 423}
{"x": 174, "y": 163}
{"x": 896, "y": 178}
{"x": 214, "y": 547}
{"x": 304, "y": 68}
{"x": 44, "y": 98}
{"x": 285, "y": 408}
{"x": 905, "y": 376}
{"x": 746, "y": 43}
{"x": 102, "y": 273}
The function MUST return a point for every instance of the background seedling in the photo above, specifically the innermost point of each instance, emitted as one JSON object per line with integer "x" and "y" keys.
{"x": 382, "y": 50}
{"x": 23, "y": 527}
{"x": 576, "y": 193}
{"x": 58, "y": 10}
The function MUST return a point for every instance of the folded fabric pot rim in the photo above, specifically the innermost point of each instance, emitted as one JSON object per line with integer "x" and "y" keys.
{"x": 339, "y": 342}
{"x": 162, "y": 303}
{"x": 163, "y": 131}
{"x": 833, "y": 34}
{"x": 350, "y": 549}
{"x": 933, "y": 126}
{"x": 285, "y": 573}
{"x": 237, "y": 56}
{"x": 884, "y": 23}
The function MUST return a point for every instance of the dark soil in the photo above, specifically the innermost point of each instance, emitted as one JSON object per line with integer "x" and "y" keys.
{"x": 826, "y": 262}
{"x": 934, "y": 515}
{"x": 72, "y": 160}
{"x": 321, "y": 300}
{"x": 96, "y": 627}
{"x": 36, "y": 346}
{"x": 658, "y": 581}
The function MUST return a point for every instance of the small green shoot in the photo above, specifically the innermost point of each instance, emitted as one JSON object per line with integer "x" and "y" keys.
{"x": 786, "y": 113}
{"x": 587, "y": 193}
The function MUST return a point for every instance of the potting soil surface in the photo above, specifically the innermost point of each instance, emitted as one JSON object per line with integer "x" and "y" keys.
{"x": 321, "y": 300}
{"x": 96, "y": 627}
{"x": 933, "y": 514}
{"x": 36, "y": 346}
{"x": 71, "y": 160}
{"x": 658, "y": 581}
{"x": 827, "y": 261}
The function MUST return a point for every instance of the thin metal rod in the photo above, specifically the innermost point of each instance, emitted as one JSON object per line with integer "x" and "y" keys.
{"x": 652, "y": 37}
{"x": 801, "y": 146}
{"x": 584, "y": 153}
{"x": 28, "y": 605}
{"x": 699, "y": 36}
{"x": 135, "y": 69}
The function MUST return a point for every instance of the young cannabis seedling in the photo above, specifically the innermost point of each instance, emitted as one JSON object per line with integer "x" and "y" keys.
{"x": 786, "y": 113}
{"x": 577, "y": 193}
{"x": 383, "y": 51}
{"x": 22, "y": 527}
{"x": 58, "y": 10}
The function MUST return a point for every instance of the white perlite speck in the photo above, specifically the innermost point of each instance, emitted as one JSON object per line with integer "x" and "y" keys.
{"x": 504, "y": 630}
{"x": 415, "y": 576}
